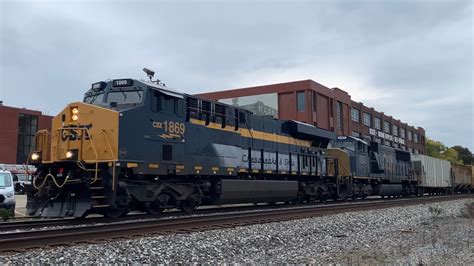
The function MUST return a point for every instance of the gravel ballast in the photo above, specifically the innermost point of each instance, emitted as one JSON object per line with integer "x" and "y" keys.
{"x": 437, "y": 233}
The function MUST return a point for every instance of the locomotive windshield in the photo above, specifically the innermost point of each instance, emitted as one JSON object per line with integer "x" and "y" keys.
{"x": 94, "y": 97}
{"x": 345, "y": 145}
{"x": 121, "y": 96}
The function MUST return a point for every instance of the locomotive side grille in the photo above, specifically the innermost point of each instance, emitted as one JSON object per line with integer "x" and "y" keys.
{"x": 206, "y": 107}
{"x": 192, "y": 103}
{"x": 192, "y": 108}
{"x": 220, "y": 110}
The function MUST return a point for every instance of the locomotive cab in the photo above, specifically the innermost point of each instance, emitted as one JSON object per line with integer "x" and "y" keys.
{"x": 358, "y": 151}
{"x": 120, "y": 94}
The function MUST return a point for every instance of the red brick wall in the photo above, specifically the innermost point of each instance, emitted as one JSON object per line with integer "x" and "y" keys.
{"x": 9, "y": 130}
{"x": 325, "y": 115}
{"x": 364, "y": 130}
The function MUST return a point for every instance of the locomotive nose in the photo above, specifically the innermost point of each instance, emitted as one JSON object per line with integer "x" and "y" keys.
{"x": 80, "y": 132}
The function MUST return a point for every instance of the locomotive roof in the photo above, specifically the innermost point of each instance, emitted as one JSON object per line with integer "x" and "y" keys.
{"x": 162, "y": 88}
{"x": 175, "y": 93}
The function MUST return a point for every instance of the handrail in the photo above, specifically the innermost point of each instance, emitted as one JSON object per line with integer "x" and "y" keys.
{"x": 46, "y": 146}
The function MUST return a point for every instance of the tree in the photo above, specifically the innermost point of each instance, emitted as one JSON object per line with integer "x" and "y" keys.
{"x": 451, "y": 155}
{"x": 464, "y": 154}
{"x": 437, "y": 149}
{"x": 434, "y": 148}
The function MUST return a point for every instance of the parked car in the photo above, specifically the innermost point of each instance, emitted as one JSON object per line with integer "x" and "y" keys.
{"x": 20, "y": 180}
{"x": 7, "y": 191}
{"x": 21, "y": 175}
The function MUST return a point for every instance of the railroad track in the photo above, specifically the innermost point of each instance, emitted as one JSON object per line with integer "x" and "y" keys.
{"x": 40, "y": 223}
{"x": 44, "y": 223}
{"x": 15, "y": 241}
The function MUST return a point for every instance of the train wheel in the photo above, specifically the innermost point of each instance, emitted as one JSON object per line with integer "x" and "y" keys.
{"x": 154, "y": 208}
{"x": 115, "y": 212}
{"x": 190, "y": 204}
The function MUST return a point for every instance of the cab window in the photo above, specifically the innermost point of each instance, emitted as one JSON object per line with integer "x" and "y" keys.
{"x": 362, "y": 148}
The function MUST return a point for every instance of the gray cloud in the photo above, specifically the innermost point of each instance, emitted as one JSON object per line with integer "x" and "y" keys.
{"x": 412, "y": 60}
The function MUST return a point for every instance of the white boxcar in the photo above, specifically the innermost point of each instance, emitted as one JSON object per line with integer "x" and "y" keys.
{"x": 431, "y": 172}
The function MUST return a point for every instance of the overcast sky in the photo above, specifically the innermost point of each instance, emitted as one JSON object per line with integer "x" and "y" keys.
{"x": 410, "y": 59}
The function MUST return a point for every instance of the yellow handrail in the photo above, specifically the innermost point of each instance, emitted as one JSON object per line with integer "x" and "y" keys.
{"x": 45, "y": 146}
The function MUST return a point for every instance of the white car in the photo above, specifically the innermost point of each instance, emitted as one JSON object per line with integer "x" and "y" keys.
{"x": 7, "y": 191}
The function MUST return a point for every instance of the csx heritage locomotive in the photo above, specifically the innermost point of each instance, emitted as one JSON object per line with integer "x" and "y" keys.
{"x": 138, "y": 145}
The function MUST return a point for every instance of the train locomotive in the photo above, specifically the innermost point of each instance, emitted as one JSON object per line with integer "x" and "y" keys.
{"x": 139, "y": 145}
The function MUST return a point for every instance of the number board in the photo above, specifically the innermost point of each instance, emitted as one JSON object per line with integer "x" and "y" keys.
{"x": 122, "y": 82}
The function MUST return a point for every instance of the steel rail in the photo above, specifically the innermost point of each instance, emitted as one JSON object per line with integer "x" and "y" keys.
{"x": 73, "y": 235}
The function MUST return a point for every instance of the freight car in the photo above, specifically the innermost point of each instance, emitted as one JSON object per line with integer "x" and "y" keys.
{"x": 461, "y": 178}
{"x": 433, "y": 174}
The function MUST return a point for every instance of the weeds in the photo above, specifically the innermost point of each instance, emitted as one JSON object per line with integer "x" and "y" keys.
{"x": 435, "y": 211}
{"x": 468, "y": 210}
{"x": 5, "y": 214}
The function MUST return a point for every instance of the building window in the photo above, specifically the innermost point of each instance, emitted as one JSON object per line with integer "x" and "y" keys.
{"x": 367, "y": 137}
{"x": 415, "y": 137}
{"x": 395, "y": 130}
{"x": 27, "y": 127}
{"x": 367, "y": 119}
{"x": 377, "y": 123}
{"x": 410, "y": 136}
{"x": 386, "y": 127}
{"x": 314, "y": 101}
{"x": 378, "y": 140}
{"x": 356, "y": 134}
{"x": 355, "y": 115}
{"x": 402, "y": 133}
{"x": 339, "y": 115}
{"x": 300, "y": 100}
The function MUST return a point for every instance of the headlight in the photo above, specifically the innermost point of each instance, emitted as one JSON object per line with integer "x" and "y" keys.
{"x": 75, "y": 113}
{"x": 9, "y": 194}
{"x": 69, "y": 154}
{"x": 35, "y": 156}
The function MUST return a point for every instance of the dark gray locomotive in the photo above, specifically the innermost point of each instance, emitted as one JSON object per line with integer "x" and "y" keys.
{"x": 378, "y": 169}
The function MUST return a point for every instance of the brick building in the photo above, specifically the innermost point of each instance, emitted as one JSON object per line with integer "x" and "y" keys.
{"x": 18, "y": 127}
{"x": 332, "y": 109}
